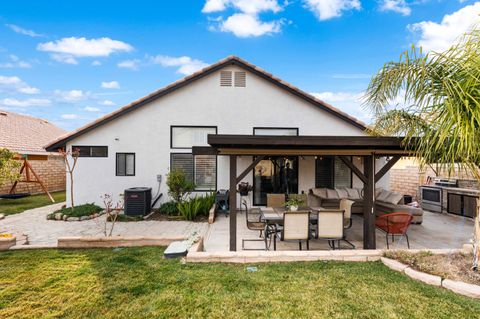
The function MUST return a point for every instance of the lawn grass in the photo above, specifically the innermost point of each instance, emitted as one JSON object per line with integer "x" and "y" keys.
{"x": 138, "y": 283}
{"x": 15, "y": 206}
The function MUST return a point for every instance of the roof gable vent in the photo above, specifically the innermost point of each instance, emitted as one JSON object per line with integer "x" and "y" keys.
{"x": 240, "y": 79}
{"x": 225, "y": 78}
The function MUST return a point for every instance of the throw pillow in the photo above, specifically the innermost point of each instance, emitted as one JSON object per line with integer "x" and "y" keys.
{"x": 353, "y": 193}
{"x": 332, "y": 194}
{"x": 383, "y": 196}
{"x": 394, "y": 198}
{"x": 342, "y": 193}
{"x": 320, "y": 192}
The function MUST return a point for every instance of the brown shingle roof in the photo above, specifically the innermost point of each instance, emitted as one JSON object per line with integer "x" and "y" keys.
{"x": 25, "y": 134}
{"x": 231, "y": 60}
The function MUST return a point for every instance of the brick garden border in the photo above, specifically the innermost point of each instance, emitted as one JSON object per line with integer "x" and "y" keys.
{"x": 63, "y": 217}
{"x": 459, "y": 287}
{"x": 115, "y": 241}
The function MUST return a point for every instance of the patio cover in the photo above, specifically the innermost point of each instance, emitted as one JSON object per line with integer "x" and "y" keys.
{"x": 369, "y": 147}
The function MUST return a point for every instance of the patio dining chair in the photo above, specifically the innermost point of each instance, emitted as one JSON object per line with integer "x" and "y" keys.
{"x": 346, "y": 206}
{"x": 254, "y": 222}
{"x": 330, "y": 226}
{"x": 394, "y": 224}
{"x": 276, "y": 200}
{"x": 296, "y": 227}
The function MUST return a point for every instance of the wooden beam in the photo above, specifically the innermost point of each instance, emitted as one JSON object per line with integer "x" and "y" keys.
{"x": 354, "y": 169}
{"x": 249, "y": 168}
{"x": 308, "y": 152}
{"x": 45, "y": 190}
{"x": 386, "y": 167}
{"x": 233, "y": 202}
{"x": 369, "y": 240}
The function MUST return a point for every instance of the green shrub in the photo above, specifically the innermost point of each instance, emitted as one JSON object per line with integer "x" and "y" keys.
{"x": 178, "y": 185}
{"x": 169, "y": 208}
{"x": 79, "y": 211}
{"x": 196, "y": 206}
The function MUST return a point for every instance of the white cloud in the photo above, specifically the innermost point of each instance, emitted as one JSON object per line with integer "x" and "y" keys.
{"x": 328, "y": 9}
{"x": 440, "y": 36}
{"x": 71, "y": 96}
{"x": 15, "y": 84}
{"x": 246, "y": 22}
{"x": 245, "y": 25}
{"x": 186, "y": 65}
{"x": 67, "y": 49}
{"x": 398, "y": 6}
{"x": 246, "y": 6}
{"x": 110, "y": 85}
{"x": 91, "y": 109}
{"x": 69, "y": 116}
{"x": 15, "y": 62}
{"x": 129, "y": 64}
{"x": 96, "y": 63}
{"x": 24, "y": 103}
{"x": 106, "y": 102}
{"x": 20, "y": 30}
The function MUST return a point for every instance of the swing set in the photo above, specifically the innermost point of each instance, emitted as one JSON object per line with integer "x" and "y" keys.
{"x": 26, "y": 173}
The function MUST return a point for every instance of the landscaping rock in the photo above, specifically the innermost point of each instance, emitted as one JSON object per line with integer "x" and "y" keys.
{"x": 85, "y": 217}
{"x": 2, "y": 216}
{"x": 64, "y": 217}
{"x": 73, "y": 219}
{"x": 58, "y": 216}
{"x": 423, "y": 277}
{"x": 462, "y": 288}
{"x": 393, "y": 264}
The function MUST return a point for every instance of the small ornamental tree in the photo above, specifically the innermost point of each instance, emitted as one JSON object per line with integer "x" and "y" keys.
{"x": 70, "y": 157}
{"x": 178, "y": 185}
{"x": 8, "y": 166}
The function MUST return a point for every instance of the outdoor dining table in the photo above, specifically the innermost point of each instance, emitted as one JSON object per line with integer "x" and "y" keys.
{"x": 273, "y": 217}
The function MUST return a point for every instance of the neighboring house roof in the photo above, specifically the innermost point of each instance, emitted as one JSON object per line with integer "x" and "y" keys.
{"x": 231, "y": 60}
{"x": 25, "y": 134}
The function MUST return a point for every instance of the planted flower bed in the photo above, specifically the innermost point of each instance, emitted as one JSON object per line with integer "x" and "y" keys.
{"x": 7, "y": 241}
{"x": 78, "y": 213}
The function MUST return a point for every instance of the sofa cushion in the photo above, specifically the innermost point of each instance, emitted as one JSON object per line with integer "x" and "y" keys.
{"x": 353, "y": 193}
{"x": 332, "y": 194}
{"x": 383, "y": 196}
{"x": 342, "y": 193}
{"x": 394, "y": 198}
{"x": 378, "y": 191}
{"x": 320, "y": 192}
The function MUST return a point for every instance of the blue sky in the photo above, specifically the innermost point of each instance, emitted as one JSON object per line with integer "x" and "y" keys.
{"x": 71, "y": 62}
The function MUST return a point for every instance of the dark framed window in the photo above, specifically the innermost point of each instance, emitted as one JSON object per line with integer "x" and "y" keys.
{"x": 200, "y": 170}
{"x": 125, "y": 164}
{"x": 184, "y": 137}
{"x": 331, "y": 172}
{"x": 279, "y": 131}
{"x": 91, "y": 151}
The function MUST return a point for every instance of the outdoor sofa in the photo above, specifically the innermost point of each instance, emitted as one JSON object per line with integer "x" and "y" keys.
{"x": 386, "y": 201}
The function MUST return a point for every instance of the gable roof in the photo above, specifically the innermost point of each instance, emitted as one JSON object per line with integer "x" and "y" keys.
{"x": 231, "y": 60}
{"x": 25, "y": 134}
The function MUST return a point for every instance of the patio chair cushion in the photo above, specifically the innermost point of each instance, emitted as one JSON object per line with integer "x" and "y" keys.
{"x": 378, "y": 191}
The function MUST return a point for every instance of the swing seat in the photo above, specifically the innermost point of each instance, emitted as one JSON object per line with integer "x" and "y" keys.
{"x": 15, "y": 196}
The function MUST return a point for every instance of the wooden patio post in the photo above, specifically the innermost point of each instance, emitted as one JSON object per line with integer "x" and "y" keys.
{"x": 233, "y": 202}
{"x": 369, "y": 240}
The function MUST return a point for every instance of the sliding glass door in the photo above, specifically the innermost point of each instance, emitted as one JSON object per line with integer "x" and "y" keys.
{"x": 275, "y": 175}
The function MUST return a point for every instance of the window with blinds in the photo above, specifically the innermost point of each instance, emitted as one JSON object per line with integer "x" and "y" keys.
{"x": 205, "y": 172}
{"x": 91, "y": 151}
{"x": 331, "y": 172}
{"x": 200, "y": 169}
{"x": 188, "y": 136}
{"x": 182, "y": 162}
{"x": 277, "y": 131}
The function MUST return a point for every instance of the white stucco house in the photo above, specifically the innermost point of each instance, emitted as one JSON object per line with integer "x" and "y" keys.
{"x": 131, "y": 146}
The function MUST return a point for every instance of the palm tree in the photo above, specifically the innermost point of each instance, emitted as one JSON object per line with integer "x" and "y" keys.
{"x": 440, "y": 115}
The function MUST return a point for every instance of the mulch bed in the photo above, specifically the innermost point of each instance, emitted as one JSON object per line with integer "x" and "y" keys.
{"x": 457, "y": 266}
{"x": 164, "y": 217}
